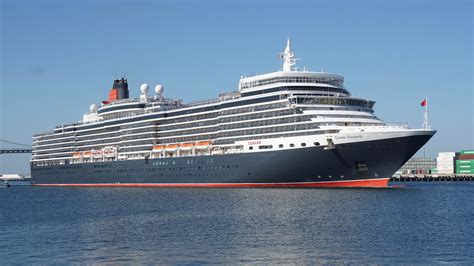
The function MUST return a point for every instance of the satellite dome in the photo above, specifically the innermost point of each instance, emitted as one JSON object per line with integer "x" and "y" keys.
{"x": 93, "y": 108}
{"x": 159, "y": 89}
{"x": 144, "y": 88}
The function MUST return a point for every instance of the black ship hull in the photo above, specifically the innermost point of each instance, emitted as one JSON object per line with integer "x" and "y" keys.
{"x": 359, "y": 164}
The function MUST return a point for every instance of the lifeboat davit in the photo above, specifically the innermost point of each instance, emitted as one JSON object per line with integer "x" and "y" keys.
{"x": 109, "y": 151}
{"x": 97, "y": 154}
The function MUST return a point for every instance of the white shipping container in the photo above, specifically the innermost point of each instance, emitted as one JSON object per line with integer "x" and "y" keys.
{"x": 444, "y": 166}
{"x": 446, "y": 172}
{"x": 445, "y": 163}
{"x": 445, "y": 158}
{"x": 447, "y": 154}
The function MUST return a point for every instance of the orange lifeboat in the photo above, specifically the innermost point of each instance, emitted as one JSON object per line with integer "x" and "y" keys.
{"x": 87, "y": 154}
{"x": 77, "y": 154}
{"x": 186, "y": 146}
{"x": 203, "y": 144}
{"x": 158, "y": 148}
{"x": 172, "y": 147}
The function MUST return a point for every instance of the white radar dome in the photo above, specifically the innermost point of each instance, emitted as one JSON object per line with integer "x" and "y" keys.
{"x": 93, "y": 108}
{"x": 144, "y": 88}
{"x": 159, "y": 89}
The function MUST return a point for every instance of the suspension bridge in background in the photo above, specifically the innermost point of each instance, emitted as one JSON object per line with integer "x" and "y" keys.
{"x": 18, "y": 147}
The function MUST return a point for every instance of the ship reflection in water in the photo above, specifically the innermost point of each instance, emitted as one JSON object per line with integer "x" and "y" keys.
{"x": 424, "y": 223}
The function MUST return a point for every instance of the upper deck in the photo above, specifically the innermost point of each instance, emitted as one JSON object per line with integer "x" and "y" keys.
{"x": 289, "y": 79}
{"x": 294, "y": 77}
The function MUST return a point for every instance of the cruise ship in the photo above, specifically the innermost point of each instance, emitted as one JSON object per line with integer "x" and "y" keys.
{"x": 290, "y": 128}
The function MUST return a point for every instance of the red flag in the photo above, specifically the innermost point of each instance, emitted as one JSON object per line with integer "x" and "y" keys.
{"x": 424, "y": 102}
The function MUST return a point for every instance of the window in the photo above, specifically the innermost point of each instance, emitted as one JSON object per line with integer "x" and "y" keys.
{"x": 292, "y": 145}
{"x": 281, "y": 145}
{"x": 303, "y": 144}
{"x": 316, "y": 144}
{"x": 262, "y": 147}
{"x": 251, "y": 148}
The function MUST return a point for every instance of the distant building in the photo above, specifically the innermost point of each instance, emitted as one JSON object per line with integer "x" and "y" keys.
{"x": 447, "y": 163}
{"x": 417, "y": 165}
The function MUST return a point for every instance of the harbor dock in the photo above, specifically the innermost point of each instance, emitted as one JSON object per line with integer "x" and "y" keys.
{"x": 429, "y": 177}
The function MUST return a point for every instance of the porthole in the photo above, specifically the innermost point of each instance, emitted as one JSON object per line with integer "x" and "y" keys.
{"x": 281, "y": 145}
{"x": 303, "y": 144}
{"x": 250, "y": 148}
{"x": 316, "y": 144}
{"x": 292, "y": 145}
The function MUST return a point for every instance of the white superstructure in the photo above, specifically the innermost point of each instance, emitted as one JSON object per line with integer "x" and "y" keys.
{"x": 280, "y": 110}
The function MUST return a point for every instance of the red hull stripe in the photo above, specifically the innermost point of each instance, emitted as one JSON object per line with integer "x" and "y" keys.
{"x": 382, "y": 182}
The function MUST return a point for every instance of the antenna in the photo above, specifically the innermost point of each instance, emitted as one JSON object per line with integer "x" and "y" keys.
{"x": 288, "y": 57}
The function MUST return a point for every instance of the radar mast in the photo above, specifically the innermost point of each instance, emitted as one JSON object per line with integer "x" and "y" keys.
{"x": 288, "y": 56}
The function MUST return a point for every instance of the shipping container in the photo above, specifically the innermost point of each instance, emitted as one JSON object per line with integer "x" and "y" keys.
{"x": 464, "y": 166}
{"x": 445, "y": 163}
{"x": 440, "y": 167}
{"x": 467, "y": 152}
{"x": 466, "y": 172}
{"x": 466, "y": 157}
{"x": 464, "y": 161}
{"x": 444, "y": 158}
{"x": 447, "y": 154}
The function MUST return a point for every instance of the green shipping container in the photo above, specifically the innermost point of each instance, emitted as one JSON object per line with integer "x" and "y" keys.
{"x": 463, "y": 171}
{"x": 464, "y": 161}
{"x": 467, "y": 152}
{"x": 466, "y": 172}
{"x": 465, "y": 168}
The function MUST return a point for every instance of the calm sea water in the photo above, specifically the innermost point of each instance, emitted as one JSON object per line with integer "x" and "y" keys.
{"x": 423, "y": 223}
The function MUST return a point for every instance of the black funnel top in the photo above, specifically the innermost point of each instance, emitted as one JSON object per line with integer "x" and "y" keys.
{"x": 121, "y": 86}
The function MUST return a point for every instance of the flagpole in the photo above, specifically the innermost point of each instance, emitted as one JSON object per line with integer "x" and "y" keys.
{"x": 426, "y": 113}
{"x": 425, "y": 122}
{"x": 426, "y": 125}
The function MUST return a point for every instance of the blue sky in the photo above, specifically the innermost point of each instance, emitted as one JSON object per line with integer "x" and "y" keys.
{"x": 58, "y": 57}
